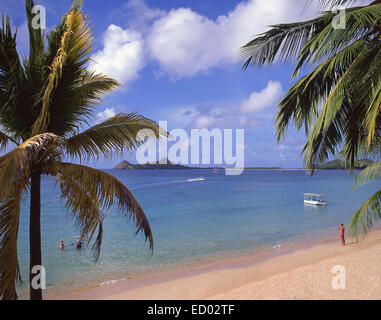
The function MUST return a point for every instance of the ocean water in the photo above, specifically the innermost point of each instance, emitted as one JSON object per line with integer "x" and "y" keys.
{"x": 193, "y": 222}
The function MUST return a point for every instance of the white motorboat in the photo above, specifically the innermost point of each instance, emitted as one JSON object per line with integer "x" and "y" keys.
{"x": 314, "y": 199}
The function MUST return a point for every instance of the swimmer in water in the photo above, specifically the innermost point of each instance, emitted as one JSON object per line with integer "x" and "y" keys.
{"x": 79, "y": 244}
{"x": 62, "y": 245}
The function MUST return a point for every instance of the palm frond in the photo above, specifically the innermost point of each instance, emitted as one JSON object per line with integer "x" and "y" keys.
{"x": 91, "y": 87}
{"x": 117, "y": 134}
{"x": 360, "y": 24}
{"x": 79, "y": 203}
{"x": 319, "y": 148}
{"x": 79, "y": 90}
{"x": 373, "y": 113}
{"x": 311, "y": 40}
{"x": 55, "y": 74}
{"x": 36, "y": 38}
{"x": 76, "y": 44}
{"x": 104, "y": 191}
{"x": 9, "y": 225}
{"x": 18, "y": 163}
{"x": 326, "y": 4}
{"x": 75, "y": 100}
{"x": 302, "y": 100}
{"x": 76, "y": 6}
{"x": 5, "y": 139}
{"x": 370, "y": 173}
{"x": 370, "y": 212}
{"x": 12, "y": 81}
{"x": 347, "y": 92}
{"x": 283, "y": 41}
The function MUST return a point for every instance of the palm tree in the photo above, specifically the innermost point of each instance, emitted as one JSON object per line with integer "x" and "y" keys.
{"x": 44, "y": 100}
{"x": 338, "y": 101}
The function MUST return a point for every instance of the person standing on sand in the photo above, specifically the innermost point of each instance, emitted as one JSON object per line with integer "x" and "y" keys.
{"x": 342, "y": 229}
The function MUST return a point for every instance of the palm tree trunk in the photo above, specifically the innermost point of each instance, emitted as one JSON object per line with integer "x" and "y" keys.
{"x": 35, "y": 231}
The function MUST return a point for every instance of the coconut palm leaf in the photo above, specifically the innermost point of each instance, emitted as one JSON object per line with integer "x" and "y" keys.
{"x": 310, "y": 40}
{"x": 9, "y": 225}
{"x": 346, "y": 84}
{"x": 90, "y": 88}
{"x": 18, "y": 163}
{"x": 105, "y": 191}
{"x": 347, "y": 91}
{"x": 341, "y": 57}
{"x": 78, "y": 90}
{"x": 5, "y": 140}
{"x": 36, "y": 39}
{"x": 75, "y": 100}
{"x": 44, "y": 102}
{"x": 80, "y": 204}
{"x": 370, "y": 212}
{"x": 302, "y": 100}
{"x": 333, "y": 3}
{"x": 75, "y": 46}
{"x": 372, "y": 172}
{"x": 283, "y": 41}
{"x": 118, "y": 133}
{"x": 319, "y": 148}
{"x": 345, "y": 80}
{"x": 12, "y": 80}
{"x": 360, "y": 22}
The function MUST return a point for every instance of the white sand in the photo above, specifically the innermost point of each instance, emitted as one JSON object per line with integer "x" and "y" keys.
{"x": 303, "y": 274}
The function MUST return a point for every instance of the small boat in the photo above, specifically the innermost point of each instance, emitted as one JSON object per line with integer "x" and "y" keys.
{"x": 197, "y": 179}
{"x": 314, "y": 199}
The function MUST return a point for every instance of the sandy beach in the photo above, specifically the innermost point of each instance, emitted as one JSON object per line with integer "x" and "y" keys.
{"x": 300, "y": 274}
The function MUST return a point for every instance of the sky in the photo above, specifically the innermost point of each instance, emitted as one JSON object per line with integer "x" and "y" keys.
{"x": 178, "y": 61}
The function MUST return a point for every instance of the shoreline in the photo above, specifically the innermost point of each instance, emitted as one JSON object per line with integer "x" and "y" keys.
{"x": 250, "y": 277}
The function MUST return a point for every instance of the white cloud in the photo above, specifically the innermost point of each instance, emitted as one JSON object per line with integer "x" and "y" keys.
{"x": 186, "y": 43}
{"x": 267, "y": 98}
{"x": 139, "y": 15}
{"x": 211, "y": 115}
{"x": 183, "y": 42}
{"x": 122, "y": 57}
{"x": 240, "y": 115}
{"x": 106, "y": 114}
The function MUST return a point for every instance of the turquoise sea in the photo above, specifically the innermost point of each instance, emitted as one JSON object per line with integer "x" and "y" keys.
{"x": 193, "y": 222}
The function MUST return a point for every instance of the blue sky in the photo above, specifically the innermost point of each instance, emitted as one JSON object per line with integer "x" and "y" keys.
{"x": 179, "y": 61}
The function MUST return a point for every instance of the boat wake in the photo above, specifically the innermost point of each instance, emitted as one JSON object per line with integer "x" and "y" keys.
{"x": 167, "y": 183}
{"x": 196, "y": 180}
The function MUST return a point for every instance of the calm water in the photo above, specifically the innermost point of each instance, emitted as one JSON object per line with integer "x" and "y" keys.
{"x": 191, "y": 221}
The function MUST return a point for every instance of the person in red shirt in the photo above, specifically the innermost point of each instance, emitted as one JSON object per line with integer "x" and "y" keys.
{"x": 342, "y": 229}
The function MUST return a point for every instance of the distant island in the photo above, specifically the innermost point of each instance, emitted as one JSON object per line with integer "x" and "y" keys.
{"x": 125, "y": 165}
{"x": 332, "y": 165}
{"x": 340, "y": 165}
